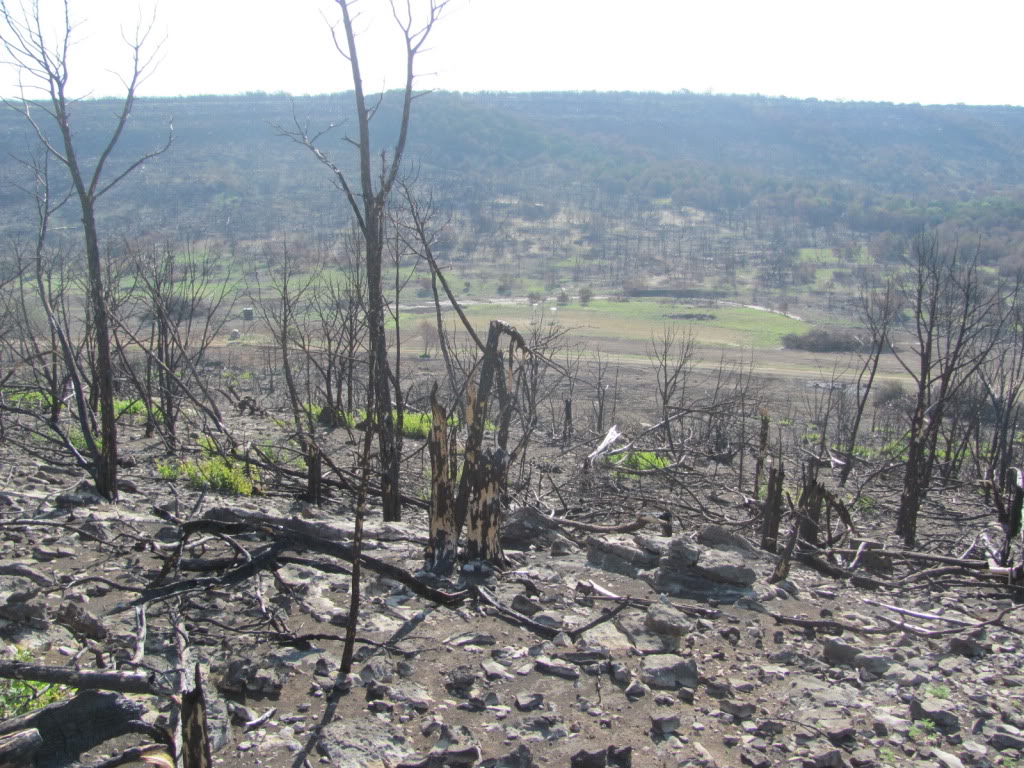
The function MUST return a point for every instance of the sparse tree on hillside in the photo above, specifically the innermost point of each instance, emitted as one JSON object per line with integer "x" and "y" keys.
{"x": 43, "y": 65}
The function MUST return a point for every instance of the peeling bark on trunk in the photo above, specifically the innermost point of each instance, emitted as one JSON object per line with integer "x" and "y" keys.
{"x": 444, "y": 533}
{"x": 484, "y": 521}
{"x": 483, "y": 475}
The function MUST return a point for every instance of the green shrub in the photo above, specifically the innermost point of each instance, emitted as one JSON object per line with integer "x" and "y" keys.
{"x": 821, "y": 340}
{"x": 215, "y": 473}
{"x": 18, "y": 696}
{"x": 938, "y": 690}
{"x": 128, "y": 408}
{"x": 218, "y": 474}
{"x": 641, "y": 460}
{"x": 416, "y": 424}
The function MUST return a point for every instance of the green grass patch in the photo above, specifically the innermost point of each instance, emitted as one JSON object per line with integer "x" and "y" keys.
{"x": 632, "y": 323}
{"x": 212, "y": 474}
{"x": 641, "y": 460}
{"x": 30, "y": 400}
{"x": 19, "y": 696}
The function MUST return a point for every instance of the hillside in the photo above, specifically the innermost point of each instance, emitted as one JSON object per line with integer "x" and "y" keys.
{"x": 866, "y": 167}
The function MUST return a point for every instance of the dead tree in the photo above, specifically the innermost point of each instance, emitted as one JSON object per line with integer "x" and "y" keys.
{"x": 477, "y": 506}
{"x": 773, "y": 507}
{"x": 43, "y": 65}
{"x": 879, "y": 310}
{"x": 368, "y": 201}
{"x": 953, "y": 321}
{"x": 444, "y": 533}
{"x": 280, "y": 304}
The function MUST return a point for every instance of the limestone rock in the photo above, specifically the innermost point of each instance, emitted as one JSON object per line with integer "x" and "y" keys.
{"x": 668, "y": 671}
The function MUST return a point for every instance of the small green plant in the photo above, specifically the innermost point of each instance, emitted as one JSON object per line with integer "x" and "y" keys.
{"x": 218, "y": 474}
{"x": 128, "y": 408}
{"x": 168, "y": 470}
{"x": 18, "y": 696}
{"x": 887, "y": 755}
{"x": 416, "y": 424}
{"x": 642, "y": 460}
{"x": 922, "y": 729}
{"x": 938, "y": 690}
{"x": 215, "y": 473}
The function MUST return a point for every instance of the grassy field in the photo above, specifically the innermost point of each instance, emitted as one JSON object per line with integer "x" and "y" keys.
{"x": 626, "y": 327}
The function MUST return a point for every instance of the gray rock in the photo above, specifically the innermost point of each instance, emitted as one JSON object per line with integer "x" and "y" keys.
{"x": 1001, "y": 740}
{"x": 873, "y": 663}
{"x": 524, "y": 605}
{"x": 739, "y": 710}
{"x": 939, "y": 711}
{"x": 619, "y": 554}
{"x": 681, "y": 554}
{"x": 718, "y": 537}
{"x": 966, "y": 646}
{"x": 664, "y": 724}
{"x": 363, "y": 743}
{"x": 597, "y": 758}
{"x": 551, "y": 619}
{"x": 656, "y": 545}
{"x": 725, "y": 567}
{"x": 494, "y": 671}
{"x": 666, "y": 620}
{"x": 838, "y": 652}
{"x": 946, "y": 759}
{"x": 824, "y": 756}
{"x": 755, "y": 759}
{"x": 636, "y": 690}
{"x": 520, "y": 757}
{"x": 557, "y": 668}
{"x": 886, "y": 725}
{"x": 668, "y": 671}
{"x": 644, "y": 640}
{"x": 864, "y": 758}
{"x": 527, "y": 702}
{"x": 472, "y": 638}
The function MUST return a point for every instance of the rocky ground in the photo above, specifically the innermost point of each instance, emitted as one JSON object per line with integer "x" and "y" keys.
{"x": 606, "y": 649}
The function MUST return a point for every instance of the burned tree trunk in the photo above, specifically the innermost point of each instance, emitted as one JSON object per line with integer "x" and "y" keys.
{"x": 444, "y": 533}
{"x": 772, "y": 510}
{"x": 483, "y": 476}
{"x": 762, "y": 453}
{"x": 811, "y": 501}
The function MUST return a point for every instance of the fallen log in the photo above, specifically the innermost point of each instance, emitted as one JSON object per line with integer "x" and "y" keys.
{"x": 122, "y": 682}
{"x": 639, "y": 523}
{"x": 17, "y": 749}
{"x": 326, "y": 539}
{"x": 69, "y": 728}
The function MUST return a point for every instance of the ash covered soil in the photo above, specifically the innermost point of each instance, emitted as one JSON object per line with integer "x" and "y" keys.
{"x": 693, "y": 657}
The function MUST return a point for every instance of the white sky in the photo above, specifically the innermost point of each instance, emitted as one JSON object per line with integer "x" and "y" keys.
{"x": 927, "y": 51}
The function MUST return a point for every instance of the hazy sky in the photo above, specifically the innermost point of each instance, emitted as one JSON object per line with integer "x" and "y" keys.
{"x": 927, "y": 51}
